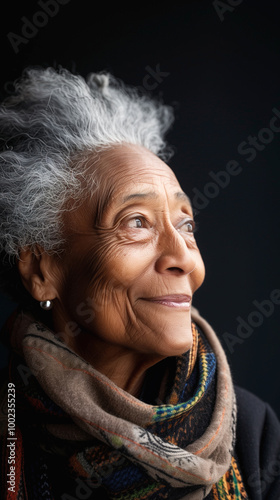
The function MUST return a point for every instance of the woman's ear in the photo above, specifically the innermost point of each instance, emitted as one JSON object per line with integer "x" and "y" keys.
{"x": 38, "y": 272}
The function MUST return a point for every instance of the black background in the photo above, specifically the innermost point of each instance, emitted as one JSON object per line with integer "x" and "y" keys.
{"x": 222, "y": 76}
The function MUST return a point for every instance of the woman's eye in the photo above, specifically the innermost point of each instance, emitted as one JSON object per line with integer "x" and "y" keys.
{"x": 188, "y": 226}
{"x": 135, "y": 223}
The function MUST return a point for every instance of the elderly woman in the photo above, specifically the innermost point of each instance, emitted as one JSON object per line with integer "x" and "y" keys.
{"x": 117, "y": 388}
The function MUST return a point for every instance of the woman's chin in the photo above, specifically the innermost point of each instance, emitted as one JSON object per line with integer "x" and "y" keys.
{"x": 168, "y": 336}
{"x": 175, "y": 344}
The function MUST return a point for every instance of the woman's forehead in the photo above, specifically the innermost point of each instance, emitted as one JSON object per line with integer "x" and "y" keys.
{"x": 125, "y": 173}
{"x": 126, "y": 167}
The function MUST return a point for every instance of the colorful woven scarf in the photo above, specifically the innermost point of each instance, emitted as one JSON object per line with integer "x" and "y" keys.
{"x": 78, "y": 435}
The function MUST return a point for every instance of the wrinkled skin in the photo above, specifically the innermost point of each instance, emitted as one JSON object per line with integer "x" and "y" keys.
{"x": 130, "y": 241}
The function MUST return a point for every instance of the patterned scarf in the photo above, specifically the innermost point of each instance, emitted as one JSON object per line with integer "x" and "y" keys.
{"x": 76, "y": 432}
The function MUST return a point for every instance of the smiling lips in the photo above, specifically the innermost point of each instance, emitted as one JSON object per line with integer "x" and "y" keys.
{"x": 177, "y": 301}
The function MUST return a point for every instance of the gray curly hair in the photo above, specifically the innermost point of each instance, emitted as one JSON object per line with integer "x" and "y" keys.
{"x": 53, "y": 120}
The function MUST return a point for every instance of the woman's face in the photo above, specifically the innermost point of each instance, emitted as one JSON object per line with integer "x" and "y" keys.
{"x": 132, "y": 264}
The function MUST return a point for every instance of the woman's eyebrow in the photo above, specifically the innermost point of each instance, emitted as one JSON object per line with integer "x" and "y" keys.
{"x": 153, "y": 194}
{"x": 183, "y": 196}
{"x": 150, "y": 194}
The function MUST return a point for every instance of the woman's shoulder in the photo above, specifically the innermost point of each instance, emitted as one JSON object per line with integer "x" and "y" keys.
{"x": 251, "y": 406}
{"x": 258, "y": 445}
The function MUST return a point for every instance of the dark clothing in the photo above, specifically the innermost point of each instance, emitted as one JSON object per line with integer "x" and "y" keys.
{"x": 257, "y": 449}
{"x": 258, "y": 446}
{"x": 257, "y": 452}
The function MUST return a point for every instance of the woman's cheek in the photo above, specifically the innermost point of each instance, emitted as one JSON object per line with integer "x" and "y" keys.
{"x": 128, "y": 263}
{"x": 103, "y": 272}
{"x": 198, "y": 275}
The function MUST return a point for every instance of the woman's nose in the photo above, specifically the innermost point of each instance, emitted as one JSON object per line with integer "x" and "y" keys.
{"x": 174, "y": 256}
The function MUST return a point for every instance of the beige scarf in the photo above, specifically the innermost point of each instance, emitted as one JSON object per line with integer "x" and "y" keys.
{"x": 101, "y": 410}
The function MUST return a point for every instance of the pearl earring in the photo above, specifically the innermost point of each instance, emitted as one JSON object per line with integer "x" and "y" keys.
{"x": 46, "y": 305}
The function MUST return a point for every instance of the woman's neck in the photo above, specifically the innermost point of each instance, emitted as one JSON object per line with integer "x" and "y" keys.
{"x": 124, "y": 367}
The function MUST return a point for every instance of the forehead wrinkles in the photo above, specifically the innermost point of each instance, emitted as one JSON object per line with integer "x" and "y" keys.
{"x": 135, "y": 173}
{"x": 120, "y": 171}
